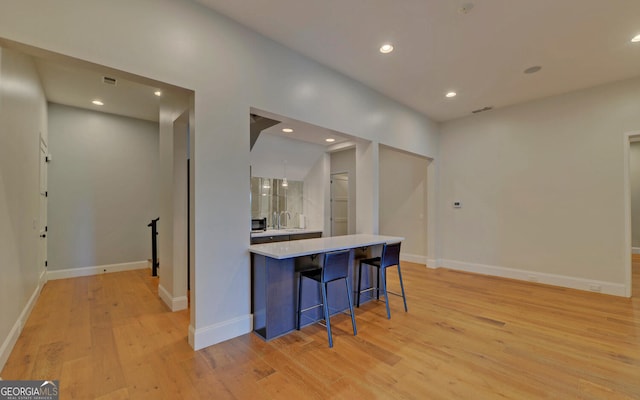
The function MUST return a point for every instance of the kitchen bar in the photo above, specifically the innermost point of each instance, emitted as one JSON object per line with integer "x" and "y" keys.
{"x": 275, "y": 273}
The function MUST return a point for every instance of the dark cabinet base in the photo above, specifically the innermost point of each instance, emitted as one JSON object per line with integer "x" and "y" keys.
{"x": 275, "y": 292}
{"x": 284, "y": 238}
{"x": 273, "y": 300}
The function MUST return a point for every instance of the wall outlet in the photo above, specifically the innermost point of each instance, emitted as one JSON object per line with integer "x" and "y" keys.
{"x": 457, "y": 204}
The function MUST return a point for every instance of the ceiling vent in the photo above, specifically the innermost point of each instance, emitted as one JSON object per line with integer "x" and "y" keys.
{"x": 108, "y": 80}
{"x": 479, "y": 110}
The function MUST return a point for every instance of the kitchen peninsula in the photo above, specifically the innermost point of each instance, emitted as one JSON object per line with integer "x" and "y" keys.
{"x": 275, "y": 274}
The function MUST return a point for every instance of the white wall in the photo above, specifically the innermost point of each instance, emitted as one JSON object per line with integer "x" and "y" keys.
{"x": 316, "y": 195}
{"x": 403, "y": 201}
{"x": 172, "y": 199}
{"x": 23, "y": 117}
{"x": 344, "y": 161}
{"x": 271, "y": 151}
{"x": 634, "y": 172}
{"x": 542, "y": 188}
{"x": 367, "y": 176}
{"x": 231, "y": 69}
{"x": 103, "y": 188}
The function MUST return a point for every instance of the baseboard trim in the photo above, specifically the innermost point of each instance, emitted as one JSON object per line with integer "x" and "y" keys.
{"x": 96, "y": 270}
{"x": 174, "y": 303}
{"x": 10, "y": 341}
{"x": 635, "y": 250}
{"x": 43, "y": 278}
{"x": 213, "y": 334}
{"x": 414, "y": 258}
{"x": 570, "y": 282}
{"x": 434, "y": 263}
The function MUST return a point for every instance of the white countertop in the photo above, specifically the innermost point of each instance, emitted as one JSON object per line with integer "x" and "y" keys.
{"x": 281, "y": 232}
{"x": 305, "y": 247}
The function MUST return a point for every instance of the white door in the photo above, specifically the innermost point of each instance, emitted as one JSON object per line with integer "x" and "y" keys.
{"x": 42, "y": 252}
{"x": 339, "y": 204}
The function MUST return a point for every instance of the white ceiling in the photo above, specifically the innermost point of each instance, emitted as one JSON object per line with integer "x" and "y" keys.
{"x": 305, "y": 132}
{"x": 76, "y": 83}
{"x": 480, "y": 54}
{"x": 77, "y": 86}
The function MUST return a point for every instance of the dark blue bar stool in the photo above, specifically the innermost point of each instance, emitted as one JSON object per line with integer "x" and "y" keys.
{"x": 390, "y": 257}
{"x": 335, "y": 266}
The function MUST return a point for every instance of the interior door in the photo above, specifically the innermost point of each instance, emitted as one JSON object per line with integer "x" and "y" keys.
{"x": 339, "y": 204}
{"x": 43, "y": 230}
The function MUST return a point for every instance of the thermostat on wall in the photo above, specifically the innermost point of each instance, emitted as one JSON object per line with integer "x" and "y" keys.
{"x": 457, "y": 204}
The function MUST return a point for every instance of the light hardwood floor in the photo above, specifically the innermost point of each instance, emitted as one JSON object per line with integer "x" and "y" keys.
{"x": 465, "y": 337}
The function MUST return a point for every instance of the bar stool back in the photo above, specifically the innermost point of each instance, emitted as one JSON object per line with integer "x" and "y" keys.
{"x": 390, "y": 257}
{"x": 335, "y": 266}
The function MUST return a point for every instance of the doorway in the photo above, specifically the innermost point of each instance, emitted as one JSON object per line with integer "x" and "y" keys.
{"x": 632, "y": 212}
{"x": 403, "y": 200}
{"x": 42, "y": 251}
{"x": 339, "y": 204}
{"x": 142, "y": 102}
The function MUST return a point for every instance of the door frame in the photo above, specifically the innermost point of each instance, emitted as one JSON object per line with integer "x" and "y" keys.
{"x": 43, "y": 194}
{"x": 628, "y": 137}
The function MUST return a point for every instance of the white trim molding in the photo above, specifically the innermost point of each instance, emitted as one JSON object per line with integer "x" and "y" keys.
{"x": 589, "y": 285}
{"x": 225, "y": 330}
{"x": 11, "y": 339}
{"x": 434, "y": 263}
{"x": 626, "y": 143}
{"x": 414, "y": 258}
{"x": 174, "y": 303}
{"x": 95, "y": 270}
{"x": 635, "y": 250}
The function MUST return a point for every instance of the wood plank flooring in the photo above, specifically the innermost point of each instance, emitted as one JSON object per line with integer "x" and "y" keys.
{"x": 465, "y": 337}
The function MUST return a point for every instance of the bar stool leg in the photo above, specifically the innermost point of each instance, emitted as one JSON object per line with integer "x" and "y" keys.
{"x": 378, "y": 285}
{"x": 353, "y": 317}
{"x": 402, "y": 288}
{"x": 325, "y": 307}
{"x": 384, "y": 291}
{"x": 359, "y": 284}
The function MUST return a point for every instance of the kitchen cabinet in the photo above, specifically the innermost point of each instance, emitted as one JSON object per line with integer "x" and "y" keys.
{"x": 283, "y": 236}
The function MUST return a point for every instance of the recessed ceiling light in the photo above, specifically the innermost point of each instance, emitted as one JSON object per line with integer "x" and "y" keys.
{"x": 636, "y": 38}
{"x": 287, "y": 130}
{"x": 532, "y": 70}
{"x": 451, "y": 94}
{"x": 158, "y": 93}
{"x": 329, "y": 140}
{"x": 98, "y": 102}
{"x": 386, "y": 48}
